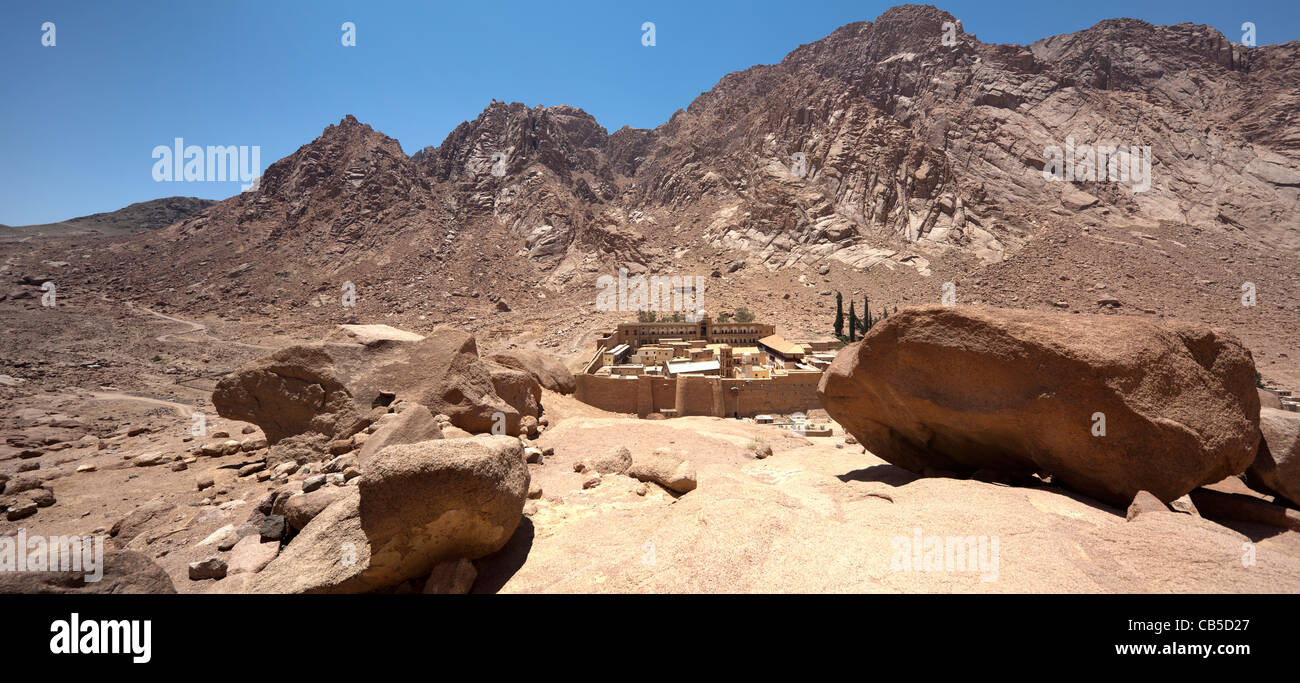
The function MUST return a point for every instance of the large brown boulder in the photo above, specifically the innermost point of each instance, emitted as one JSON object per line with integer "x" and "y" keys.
{"x": 666, "y": 469}
{"x": 517, "y": 388}
{"x": 1269, "y": 399}
{"x": 1276, "y": 469}
{"x": 550, "y": 371}
{"x": 414, "y": 424}
{"x": 300, "y": 508}
{"x": 331, "y": 387}
{"x": 139, "y": 520}
{"x": 959, "y": 389}
{"x": 416, "y": 505}
{"x": 123, "y": 572}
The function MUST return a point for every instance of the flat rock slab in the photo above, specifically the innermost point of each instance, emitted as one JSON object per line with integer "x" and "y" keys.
{"x": 250, "y": 555}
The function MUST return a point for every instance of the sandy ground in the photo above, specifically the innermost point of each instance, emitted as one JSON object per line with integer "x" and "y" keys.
{"x": 822, "y": 516}
{"x": 819, "y": 515}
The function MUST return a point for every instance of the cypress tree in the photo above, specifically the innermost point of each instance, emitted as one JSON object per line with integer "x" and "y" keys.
{"x": 839, "y": 316}
{"x": 853, "y": 324}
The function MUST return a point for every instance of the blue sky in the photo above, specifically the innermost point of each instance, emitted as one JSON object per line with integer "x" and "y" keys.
{"x": 79, "y": 120}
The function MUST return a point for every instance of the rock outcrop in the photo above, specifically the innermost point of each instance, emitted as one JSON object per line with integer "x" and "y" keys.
{"x": 413, "y": 424}
{"x": 128, "y": 528}
{"x": 331, "y": 388}
{"x": 415, "y": 506}
{"x": 1276, "y": 469}
{"x": 666, "y": 469}
{"x": 124, "y": 571}
{"x": 1108, "y": 405}
{"x": 517, "y": 388}
{"x": 550, "y": 371}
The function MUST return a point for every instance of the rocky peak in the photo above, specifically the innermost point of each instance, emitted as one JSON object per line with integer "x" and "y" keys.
{"x": 511, "y": 137}
{"x": 1130, "y": 54}
{"x": 906, "y": 29}
{"x": 344, "y": 155}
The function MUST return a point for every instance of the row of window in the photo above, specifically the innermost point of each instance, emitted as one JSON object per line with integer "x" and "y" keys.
{"x": 718, "y": 329}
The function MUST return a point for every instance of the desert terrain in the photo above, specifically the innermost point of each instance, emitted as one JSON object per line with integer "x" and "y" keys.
{"x": 924, "y": 178}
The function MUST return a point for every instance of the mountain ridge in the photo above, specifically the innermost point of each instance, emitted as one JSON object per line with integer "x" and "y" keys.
{"x": 875, "y": 159}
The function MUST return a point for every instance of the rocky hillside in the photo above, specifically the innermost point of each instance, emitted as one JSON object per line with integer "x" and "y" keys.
{"x": 883, "y": 159}
{"x": 136, "y": 218}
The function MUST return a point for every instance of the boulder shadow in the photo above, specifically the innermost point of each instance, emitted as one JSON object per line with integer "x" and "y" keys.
{"x": 1253, "y": 517}
{"x": 496, "y": 569}
{"x": 1255, "y": 531}
{"x": 892, "y": 475}
{"x": 1085, "y": 499}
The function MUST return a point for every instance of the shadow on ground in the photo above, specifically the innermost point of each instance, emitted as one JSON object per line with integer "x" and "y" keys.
{"x": 496, "y": 569}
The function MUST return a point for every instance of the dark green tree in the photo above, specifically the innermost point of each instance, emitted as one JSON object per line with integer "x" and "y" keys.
{"x": 743, "y": 315}
{"x": 839, "y": 316}
{"x": 853, "y": 324}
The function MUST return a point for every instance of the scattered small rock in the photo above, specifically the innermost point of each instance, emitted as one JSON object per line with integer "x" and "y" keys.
{"x": 1185, "y": 506}
{"x": 272, "y": 528}
{"x": 1143, "y": 503}
{"x": 21, "y": 509}
{"x": 148, "y": 459}
{"x": 313, "y": 482}
{"x": 665, "y": 469}
{"x": 211, "y": 568}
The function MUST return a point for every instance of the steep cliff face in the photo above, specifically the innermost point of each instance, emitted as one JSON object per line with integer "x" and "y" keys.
{"x": 880, "y": 137}
{"x": 906, "y": 139}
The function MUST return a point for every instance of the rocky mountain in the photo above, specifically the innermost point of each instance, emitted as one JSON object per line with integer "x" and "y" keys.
{"x": 136, "y": 218}
{"x": 190, "y": 391}
{"x": 888, "y": 158}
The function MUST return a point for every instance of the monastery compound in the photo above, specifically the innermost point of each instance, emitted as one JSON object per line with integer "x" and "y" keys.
{"x": 730, "y": 369}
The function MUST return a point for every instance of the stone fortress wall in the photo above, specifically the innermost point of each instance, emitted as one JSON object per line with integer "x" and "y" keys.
{"x": 700, "y": 394}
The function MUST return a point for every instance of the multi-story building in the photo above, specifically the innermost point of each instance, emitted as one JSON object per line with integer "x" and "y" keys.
{"x": 654, "y": 354}
{"x": 636, "y": 335}
{"x": 615, "y": 355}
{"x": 780, "y": 352}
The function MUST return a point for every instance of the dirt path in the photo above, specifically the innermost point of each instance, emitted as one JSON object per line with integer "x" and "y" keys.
{"x": 180, "y": 408}
{"x": 193, "y": 328}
